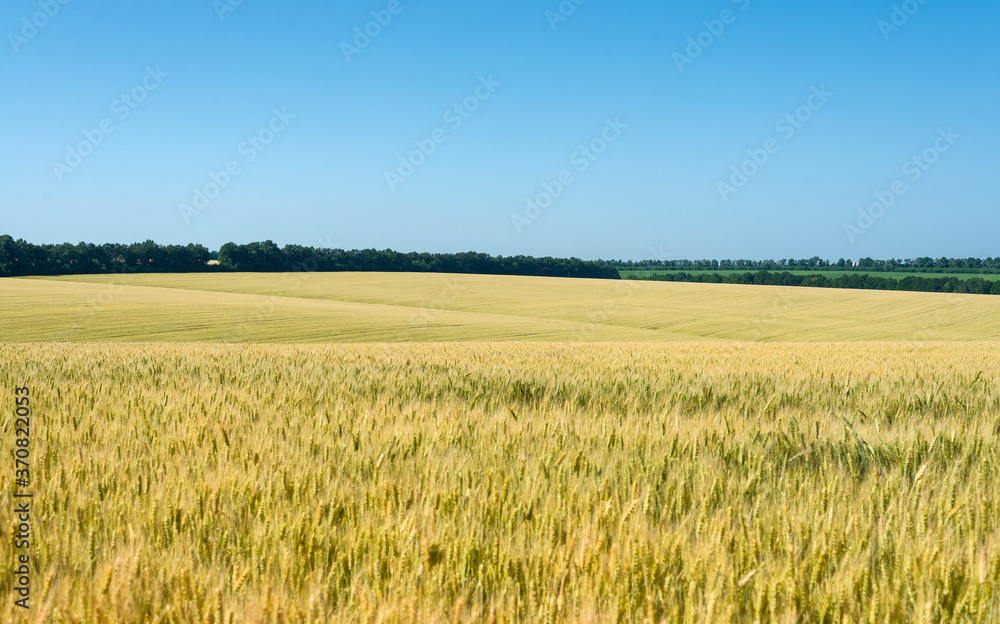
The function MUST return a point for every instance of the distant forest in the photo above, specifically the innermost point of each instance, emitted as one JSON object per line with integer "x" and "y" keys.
{"x": 266, "y": 257}
{"x": 864, "y": 265}
{"x": 20, "y": 258}
{"x": 860, "y": 281}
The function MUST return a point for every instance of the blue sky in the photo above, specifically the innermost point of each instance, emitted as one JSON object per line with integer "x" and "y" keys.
{"x": 636, "y": 129}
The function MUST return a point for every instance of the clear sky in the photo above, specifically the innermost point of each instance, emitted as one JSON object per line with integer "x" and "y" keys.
{"x": 637, "y": 129}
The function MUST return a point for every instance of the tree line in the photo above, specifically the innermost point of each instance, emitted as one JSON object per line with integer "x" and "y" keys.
{"x": 268, "y": 257}
{"x": 21, "y": 258}
{"x": 862, "y": 281}
{"x": 868, "y": 265}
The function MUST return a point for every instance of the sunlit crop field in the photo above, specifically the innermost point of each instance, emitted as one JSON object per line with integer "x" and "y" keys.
{"x": 682, "y": 482}
{"x": 327, "y": 308}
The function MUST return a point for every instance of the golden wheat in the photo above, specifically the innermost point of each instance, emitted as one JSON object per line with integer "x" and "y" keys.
{"x": 510, "y": 482}
{"x": 395, "y": 307}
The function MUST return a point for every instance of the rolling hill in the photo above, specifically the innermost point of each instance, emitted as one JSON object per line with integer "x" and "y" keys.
{"x": 395, "y": 307}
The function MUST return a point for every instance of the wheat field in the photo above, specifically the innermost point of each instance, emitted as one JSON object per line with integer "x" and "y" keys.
{"x": 372, "y": 307}
{"x": 511, "y": 482}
